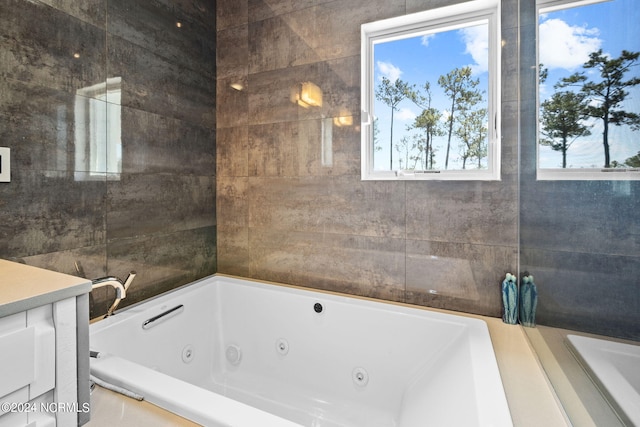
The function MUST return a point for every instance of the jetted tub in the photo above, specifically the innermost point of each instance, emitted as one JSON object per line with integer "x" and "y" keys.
{"x": 225, "y": 351}
{"x": 615, "y": 369}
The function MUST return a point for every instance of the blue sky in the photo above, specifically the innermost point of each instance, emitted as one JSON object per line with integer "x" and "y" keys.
{"x": 566, "y": 38}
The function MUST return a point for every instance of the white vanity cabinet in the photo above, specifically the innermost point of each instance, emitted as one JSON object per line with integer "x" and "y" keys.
{"x": 44, "y": 347}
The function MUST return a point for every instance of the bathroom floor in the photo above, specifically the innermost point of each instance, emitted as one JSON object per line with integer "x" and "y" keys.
{"x": 114, "y": 410}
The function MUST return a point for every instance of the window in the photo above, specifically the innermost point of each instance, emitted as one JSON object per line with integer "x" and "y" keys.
{"x": 588, "y": 90}
{"x": 430, "y": 94}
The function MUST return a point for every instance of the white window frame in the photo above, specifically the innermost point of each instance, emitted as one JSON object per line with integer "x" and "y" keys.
{"x": 441, "y": 19}
{"x": 570, "y": 174}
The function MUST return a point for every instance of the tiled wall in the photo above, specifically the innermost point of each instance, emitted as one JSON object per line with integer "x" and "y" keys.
{"x": 158, "y": 215}
{"x": 286, "y": 213}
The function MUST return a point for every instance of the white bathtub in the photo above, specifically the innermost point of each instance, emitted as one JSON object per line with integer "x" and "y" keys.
{"x": 615, "y": 368}
{"x": 235, "y": 352}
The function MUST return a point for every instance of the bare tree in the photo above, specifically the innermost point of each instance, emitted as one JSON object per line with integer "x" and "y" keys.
{"x": 392, "y": 94}
{"x": 460, "y": 87}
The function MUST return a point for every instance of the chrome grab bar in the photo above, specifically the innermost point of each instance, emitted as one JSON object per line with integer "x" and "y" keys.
{"x": 165, "y": 315}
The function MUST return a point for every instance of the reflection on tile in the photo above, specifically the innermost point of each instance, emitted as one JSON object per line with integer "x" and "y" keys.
{"x": 270, "y": 92}
{"x": 303, "y": 148}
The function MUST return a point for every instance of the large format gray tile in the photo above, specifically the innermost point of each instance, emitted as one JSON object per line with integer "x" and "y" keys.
{"x": 44, "y": 54}
{"x": 161, "y": 261}
{"x": 360, "y": 265}
{"x": 232, "y": 204}
{"x": 597, "y": 217}
{"x": 145, "y": 204}
{"x": 232, "y": 151}
{"x": 38, "y": 124}
{"x": 153, "y": 143}
{"x": 153, "y": 26}
{"x": 585, "y": 291}
{"x": 153, "y": 84}
{"x": 340, "y": 205}
{"x": 233, "y": 251}
{"x": 50, "y": 211}
{"x": 91, "y": 11}
{"x": 465, "y": 212}
{"x": 458, "y": 276}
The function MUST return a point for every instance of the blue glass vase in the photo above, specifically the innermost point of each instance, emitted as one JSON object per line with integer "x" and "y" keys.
{"x": 528, "y": 301}
{"x": 510, "y": 299}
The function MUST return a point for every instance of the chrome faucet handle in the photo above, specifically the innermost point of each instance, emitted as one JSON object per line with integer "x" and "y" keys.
{"x": 129, "y": 279}
{"x": 105, "y": 279}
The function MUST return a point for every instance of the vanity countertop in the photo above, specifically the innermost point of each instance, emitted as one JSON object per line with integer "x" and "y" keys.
{"x": 23, "y": 287}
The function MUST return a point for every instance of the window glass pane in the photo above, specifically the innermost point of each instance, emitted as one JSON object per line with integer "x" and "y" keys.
{"x": 589, "y": 89}
{"x": 430, "y": 106}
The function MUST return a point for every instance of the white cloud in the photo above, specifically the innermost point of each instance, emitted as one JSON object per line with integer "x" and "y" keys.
{"x": 476, "y": 40}
{"x": 566, "y": 46}
{"x": 405, "y": 114}
{"x": 425, "y": 39}
{"x": 389, "y": 70}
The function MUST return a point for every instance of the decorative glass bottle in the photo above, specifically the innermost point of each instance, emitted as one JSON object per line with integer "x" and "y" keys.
{"x": 528, "y": 301}
{"x": 510, "y": 299}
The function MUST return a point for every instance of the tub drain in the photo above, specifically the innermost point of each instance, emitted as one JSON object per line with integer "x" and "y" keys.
{"x": 233, "y": 354}
{"x": 360, "y": 377}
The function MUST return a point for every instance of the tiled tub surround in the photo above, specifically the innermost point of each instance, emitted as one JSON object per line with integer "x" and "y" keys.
{"x": 287, "y": 213}
{"x": 308, "y": 357}
{"x": 157, "y": 216}
{"x": 282, "y": 213}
